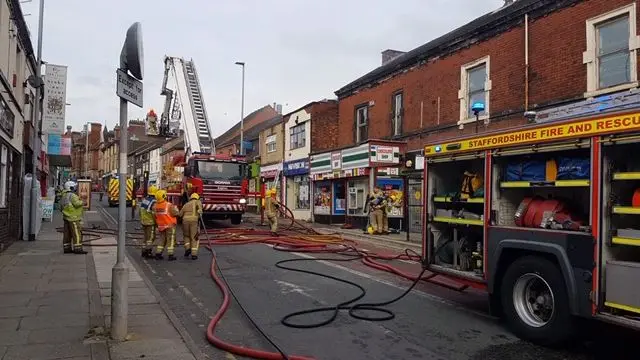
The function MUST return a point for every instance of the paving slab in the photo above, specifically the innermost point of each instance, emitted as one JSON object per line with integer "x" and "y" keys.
{"x": 12, "y": 337}
{"x": 9, "y": 324}
{"x": 65, "y": 334}
{"x": 11, "y": 300}
{"x": 167, "y": 348}
{"x": 54, "y": 321}
{"x": 47, "y": 351}
{"x": 17, "y": 311}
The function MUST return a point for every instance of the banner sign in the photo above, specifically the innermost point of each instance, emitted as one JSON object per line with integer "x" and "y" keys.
{"x": 55, "y": 99}
{"x": 47, "y": 209}
{"x": 58, "y": 145}
{"x": 84, "y": 192}
{"x": 591, "y": 127}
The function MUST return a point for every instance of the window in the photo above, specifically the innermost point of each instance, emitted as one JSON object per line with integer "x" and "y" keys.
{"x": 475, "y": 87}
{"x": 3, "y": 176}
{"x": 611, "y": 57}
{"x": 362, "y": 124}
{"x": 298, "y": 136}
{"x": 301, "y": 192}
{"x": 271, "y": 143}
{"x": 397, "y": 111}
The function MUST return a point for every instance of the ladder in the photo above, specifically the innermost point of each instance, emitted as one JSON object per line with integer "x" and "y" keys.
{"x": 197, "y": 104}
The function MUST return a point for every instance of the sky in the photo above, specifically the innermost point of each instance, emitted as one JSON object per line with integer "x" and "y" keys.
{"x": 296, "y": 51}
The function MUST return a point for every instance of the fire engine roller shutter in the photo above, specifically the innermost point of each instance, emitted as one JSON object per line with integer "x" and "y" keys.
{"x": 448, "y": 158}
{"x": 621, "y": 139}
{"x": 538, "y": 148}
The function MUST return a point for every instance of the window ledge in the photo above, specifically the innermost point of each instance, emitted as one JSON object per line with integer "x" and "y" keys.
{"x": 473, "y": 119}
{"x": 628, "y": 86}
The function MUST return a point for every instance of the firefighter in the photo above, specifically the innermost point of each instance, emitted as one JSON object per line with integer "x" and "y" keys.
{"x": 148, "y": 221}
{"x": 271, "y": 210}
{"x": 165, "y": 213}
{"x": 190, "y": 214}
{"x": 377, "y": 207}
{"x": 72, "y": 209}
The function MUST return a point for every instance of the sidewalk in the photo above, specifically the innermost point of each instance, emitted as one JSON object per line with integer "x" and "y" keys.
{"x": 57, "y": 306}
{"x": 46, "y": 307}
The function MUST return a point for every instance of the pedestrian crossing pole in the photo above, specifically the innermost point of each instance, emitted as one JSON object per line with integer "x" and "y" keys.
{"x": 128, "y": 88}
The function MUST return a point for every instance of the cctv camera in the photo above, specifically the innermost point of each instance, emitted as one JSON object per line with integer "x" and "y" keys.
{"x": 530, "y": 115}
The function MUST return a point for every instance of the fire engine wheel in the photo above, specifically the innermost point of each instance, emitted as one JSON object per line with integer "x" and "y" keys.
{"x": 535, "y": 301}
{"x": 236, "y": 219}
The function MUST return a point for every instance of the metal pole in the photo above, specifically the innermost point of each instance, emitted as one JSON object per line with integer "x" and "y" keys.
{"x": 242, "y": 112}
{"x": 119, "y": 273}
{"x": 86, "y": 153}
{"x": 37, "y": 127}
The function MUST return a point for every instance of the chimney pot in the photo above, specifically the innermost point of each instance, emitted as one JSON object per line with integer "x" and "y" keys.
{"x": 390, "y": 54}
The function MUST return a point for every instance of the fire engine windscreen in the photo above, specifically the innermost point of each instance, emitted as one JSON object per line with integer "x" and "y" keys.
{"x": 214, "y": 170}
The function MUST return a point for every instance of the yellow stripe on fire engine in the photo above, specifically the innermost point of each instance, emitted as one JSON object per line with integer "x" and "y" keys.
{"x": 113, "y": 188}
{"x": 591, "y": 127}
{"x": 129, "y": 189}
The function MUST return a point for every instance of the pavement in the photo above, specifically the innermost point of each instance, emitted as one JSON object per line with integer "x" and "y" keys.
{"x": 57, "y": 306}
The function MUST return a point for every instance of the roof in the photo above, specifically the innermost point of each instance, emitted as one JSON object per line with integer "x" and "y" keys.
{"x": 23, "y": 30}
{"x": 308, "y": 105}
{"x": 235, "y": 127}
{"x": 254, "y": 132}
{"x": 477, "y": 30}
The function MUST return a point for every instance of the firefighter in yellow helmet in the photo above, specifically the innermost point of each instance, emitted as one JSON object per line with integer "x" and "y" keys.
{"x": 271, "y": 210}
{"x": 166, "y": 221}
{"x": 148, "y": 221}
{"x": 190, "y": 214}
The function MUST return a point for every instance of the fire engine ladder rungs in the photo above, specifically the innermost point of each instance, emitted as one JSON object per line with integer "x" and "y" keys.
{"x": 197, "y": 104}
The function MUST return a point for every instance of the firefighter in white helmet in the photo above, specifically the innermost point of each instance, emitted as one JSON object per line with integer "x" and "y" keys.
{"x": 72, "y": 209}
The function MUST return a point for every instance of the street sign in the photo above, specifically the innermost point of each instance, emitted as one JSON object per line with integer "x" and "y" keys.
{"x": 129, "y": 88}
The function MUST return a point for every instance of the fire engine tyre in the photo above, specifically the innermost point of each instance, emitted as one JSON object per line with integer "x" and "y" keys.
{"x": 236, "y": 219}
{"x": 535, "y": 301}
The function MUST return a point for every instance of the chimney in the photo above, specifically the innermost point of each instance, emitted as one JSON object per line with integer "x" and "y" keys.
{"x": 508, "y": 2}
{"x": 279, "y": 109}
{"x": 390, "y": 54}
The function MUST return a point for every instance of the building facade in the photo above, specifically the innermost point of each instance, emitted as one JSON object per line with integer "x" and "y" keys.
{"x": 271, "y": 154}
{"x": 229, "y": 142}
{"x": 297, "y": 146}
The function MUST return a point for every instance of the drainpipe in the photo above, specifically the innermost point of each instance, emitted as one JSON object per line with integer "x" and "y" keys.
{"x": 526, "y": 62}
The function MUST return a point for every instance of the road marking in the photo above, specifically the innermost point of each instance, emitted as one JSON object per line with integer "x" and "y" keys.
{"x": 414, "y": 291}
{"x": 109, "y": 216}
{"x": 288, "y": 288}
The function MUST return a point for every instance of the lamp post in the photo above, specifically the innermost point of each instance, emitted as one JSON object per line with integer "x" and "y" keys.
{"x": 240, "y": 63}
{"x": 37, "y": 127}
{"x": 86, "y": 151}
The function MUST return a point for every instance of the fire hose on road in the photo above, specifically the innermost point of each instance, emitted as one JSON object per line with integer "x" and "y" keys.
{"x": 296, "y": 238}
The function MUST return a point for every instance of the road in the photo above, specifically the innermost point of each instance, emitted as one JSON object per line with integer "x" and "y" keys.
{"x": 430, "y": 323}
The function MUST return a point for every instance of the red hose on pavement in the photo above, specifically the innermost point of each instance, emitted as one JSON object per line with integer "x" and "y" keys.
{"x": 302, "y": 243}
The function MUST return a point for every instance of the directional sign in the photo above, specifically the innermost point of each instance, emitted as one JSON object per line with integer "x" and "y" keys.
{"x": 129, "y": 88}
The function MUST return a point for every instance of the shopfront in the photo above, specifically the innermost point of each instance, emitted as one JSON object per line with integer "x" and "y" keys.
{"x": 271, "y": 175}
{"x": 297, "y": 188}
{"x": 343, "y": 179}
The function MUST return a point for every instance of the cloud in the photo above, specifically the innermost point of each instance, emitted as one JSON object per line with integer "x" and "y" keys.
{"x": 295, "y": 51}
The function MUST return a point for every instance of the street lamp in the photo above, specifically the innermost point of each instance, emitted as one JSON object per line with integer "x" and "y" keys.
{"x": 477, "y": 108}
{"x": 241, "y": 111}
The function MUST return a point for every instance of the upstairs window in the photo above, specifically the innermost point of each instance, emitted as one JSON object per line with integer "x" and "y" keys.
{"x": 475, "y": 87}
{"x": 397, "y": 112}
{"x": 611, "y": 57}
{"x": 271, "y": 143}
{"x": 297, "y": 137}
{"x": 362, "y": 124}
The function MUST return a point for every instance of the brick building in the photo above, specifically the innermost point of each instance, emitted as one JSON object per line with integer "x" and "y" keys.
{"x": 229, "y": 142}
{"x": 271, "y": 145}
{"x": 512, "y": 60}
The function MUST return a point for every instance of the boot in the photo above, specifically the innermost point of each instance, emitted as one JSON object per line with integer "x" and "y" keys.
{"x": 172, "y": 258}
{"x": 194, "y": 257}
{"x": 187, "y": 253}
{"x": 159, "y": 256}
{"x": 67, "y": 251}
{"x": 79, "y": 251}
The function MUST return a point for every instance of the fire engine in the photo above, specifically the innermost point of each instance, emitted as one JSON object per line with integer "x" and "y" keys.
{"x": 544, "y": 218}
{"x": 220, "y": 180}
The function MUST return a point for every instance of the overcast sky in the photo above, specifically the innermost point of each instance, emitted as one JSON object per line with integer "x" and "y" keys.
{"x": 296, "y": 51}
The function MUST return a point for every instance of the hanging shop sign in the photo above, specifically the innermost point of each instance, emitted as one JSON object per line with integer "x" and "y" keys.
{"x": 385, "y": 154}
{"x": 55, "y": 99}
{"x": 270, "y": 171}
{"x": 296, "y": 167}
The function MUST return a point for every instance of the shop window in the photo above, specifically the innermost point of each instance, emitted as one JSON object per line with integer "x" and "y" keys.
{"x": 301, "y": 191}
{"x": 362, "y": 124}
{"x": 397, "y": 110}
{"x": 339, "y": 198}
{"x": 271, "y": 143}
{"x": 611, "y": 51}
{"x": 297, "y": 136}
{"x": 393, "y": 189}
{"x": 357, "y": 199}
{"x": 3, "y": 176}
{"x": 475, "y": 87}
{"x": 322, "y": 197}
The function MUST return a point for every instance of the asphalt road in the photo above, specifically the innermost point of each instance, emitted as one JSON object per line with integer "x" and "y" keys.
{"x": 432, "y": 323}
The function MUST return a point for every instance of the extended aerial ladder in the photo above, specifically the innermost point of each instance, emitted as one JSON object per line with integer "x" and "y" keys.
{"x": 188, "y": 106}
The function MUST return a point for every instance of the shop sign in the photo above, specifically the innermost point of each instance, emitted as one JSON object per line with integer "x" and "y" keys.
{"x": 296, "y": 167}
{"x": 47, "y": 209}
{"x": 384, "y": 154}
{"x": 270, "y": 172}
{"x": 336, "y": 160}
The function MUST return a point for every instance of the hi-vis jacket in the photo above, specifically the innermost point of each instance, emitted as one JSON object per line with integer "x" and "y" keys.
{"x": 71, "y": 206}
{"x": 166, "y": 214}
{"x": 147, "y": 216}
{"x": 191, "y": 211}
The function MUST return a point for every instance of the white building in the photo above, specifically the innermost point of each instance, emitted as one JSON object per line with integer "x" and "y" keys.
{"x": 297, "y": 145}
{"x": 155, "y": 166}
